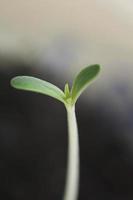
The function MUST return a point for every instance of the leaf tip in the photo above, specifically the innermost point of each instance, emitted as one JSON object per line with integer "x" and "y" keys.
{"x": 13, "y": 82}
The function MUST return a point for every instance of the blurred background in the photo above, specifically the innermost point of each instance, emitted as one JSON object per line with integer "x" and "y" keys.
{"x": 53, "y": 40}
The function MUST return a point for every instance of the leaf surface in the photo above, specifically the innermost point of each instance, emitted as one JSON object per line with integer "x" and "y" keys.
{"x": 83, "y": 79}
{"x": 37, "y": 85}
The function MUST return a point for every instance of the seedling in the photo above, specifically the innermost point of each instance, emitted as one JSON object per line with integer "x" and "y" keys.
{"x": 68, "y": 98}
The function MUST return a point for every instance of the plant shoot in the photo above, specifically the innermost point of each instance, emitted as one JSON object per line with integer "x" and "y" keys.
{"x": 68, "y": 97}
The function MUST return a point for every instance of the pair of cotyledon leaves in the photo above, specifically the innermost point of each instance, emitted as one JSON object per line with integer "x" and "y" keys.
{"x": 82, "y": 80}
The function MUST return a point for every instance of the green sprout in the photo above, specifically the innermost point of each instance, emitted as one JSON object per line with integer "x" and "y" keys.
{"x": 68, "y": 98}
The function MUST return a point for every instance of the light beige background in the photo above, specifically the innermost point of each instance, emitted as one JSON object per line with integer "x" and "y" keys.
{"x": 70, "y": 34}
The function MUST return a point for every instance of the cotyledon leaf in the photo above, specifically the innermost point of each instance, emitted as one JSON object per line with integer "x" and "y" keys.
{"x": 37, "y": 85}
{"x": 83, "y": 79}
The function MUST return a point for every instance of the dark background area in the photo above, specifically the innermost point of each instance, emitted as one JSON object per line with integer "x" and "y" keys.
{"x": 33, "y": 144}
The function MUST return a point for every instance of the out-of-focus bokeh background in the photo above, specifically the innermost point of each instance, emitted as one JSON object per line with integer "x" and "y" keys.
{"x": 53, "y": 40}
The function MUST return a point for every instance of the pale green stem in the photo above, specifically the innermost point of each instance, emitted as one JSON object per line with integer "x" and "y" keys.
{"x": 72, "y": 177}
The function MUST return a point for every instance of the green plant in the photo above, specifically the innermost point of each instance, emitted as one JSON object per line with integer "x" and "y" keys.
{"x": 68, "y": 98}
